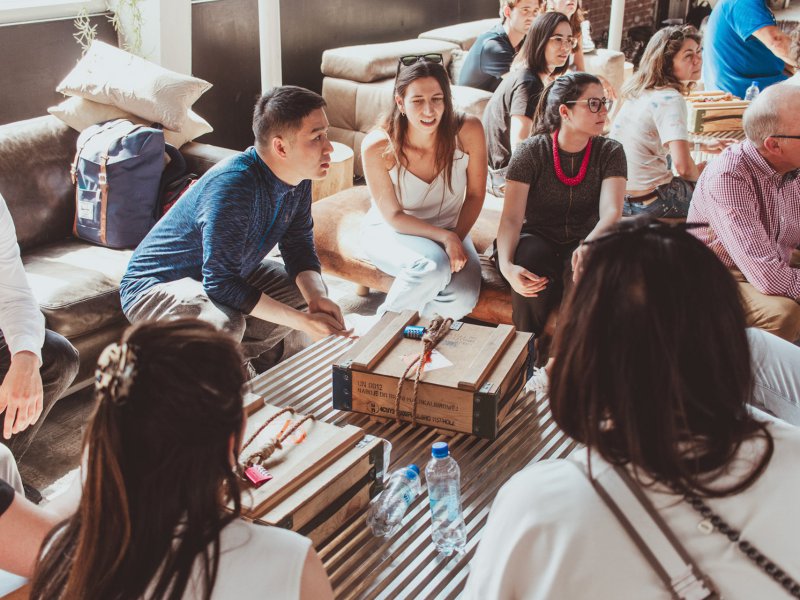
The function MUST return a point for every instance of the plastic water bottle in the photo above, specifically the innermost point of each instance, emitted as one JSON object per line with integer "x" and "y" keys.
{"x": 752, "y": 92}
{"x": 444, "y": 491}
{"x": 386, "y": 511}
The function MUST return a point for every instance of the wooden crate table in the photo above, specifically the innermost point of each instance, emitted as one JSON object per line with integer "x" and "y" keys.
{"x": 406, "y": 565}
{"x": 340, "y": 174}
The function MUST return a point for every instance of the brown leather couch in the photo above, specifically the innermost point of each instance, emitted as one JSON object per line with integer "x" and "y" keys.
{"x": 76, "y": 283}
{"x": 337, "y": 224}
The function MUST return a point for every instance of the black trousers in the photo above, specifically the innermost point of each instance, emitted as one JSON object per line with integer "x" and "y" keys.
{"x": 546, "y": 259}
{"x": 60, "y": 364}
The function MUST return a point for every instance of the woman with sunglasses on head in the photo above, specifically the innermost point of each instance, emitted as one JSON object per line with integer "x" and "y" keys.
{"x": 564, "y": 185}
{"x": 159, "y": 514}
{"x": 652, "y": 374}
{"x": 508, "y": 116}
{"x": 425, "y": 167}
{"x": 652, "y": 126}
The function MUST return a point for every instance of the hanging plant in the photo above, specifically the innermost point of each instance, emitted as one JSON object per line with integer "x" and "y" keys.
{"x": 123, "y": 12}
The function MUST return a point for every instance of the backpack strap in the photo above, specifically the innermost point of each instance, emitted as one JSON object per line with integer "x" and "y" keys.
{"x": 652, "y": 536}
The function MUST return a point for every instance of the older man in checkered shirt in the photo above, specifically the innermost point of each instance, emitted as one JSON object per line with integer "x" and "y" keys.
{"x": 750, "y": 198}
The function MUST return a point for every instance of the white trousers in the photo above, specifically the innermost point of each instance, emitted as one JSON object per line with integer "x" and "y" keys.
{"x": 421, "y": 270}
{"x": 776, "y": 371}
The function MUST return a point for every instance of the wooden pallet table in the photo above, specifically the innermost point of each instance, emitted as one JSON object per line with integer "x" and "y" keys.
{"x": 407, "y": 565}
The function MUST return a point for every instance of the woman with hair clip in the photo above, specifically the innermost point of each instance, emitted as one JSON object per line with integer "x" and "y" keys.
{"x": 425, "y": 167}
{"x": 161, "y": 455}
{"x": 652, "y": 126}
{"x": 508, "y": 116}
{"x": 652, "y": 374}
{"x": 565, "y": 185}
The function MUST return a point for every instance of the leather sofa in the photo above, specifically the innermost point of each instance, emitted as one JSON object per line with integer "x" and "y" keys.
{"x": 337, "y": 224}
{"x": 358, "y": 80}
{"x": 75, "y": 282}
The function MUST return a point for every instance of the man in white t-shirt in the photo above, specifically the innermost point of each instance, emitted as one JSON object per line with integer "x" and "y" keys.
{"x": 36, "y": 365}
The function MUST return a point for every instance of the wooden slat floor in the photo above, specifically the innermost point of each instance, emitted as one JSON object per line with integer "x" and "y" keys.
{"x": 407, "y": 565}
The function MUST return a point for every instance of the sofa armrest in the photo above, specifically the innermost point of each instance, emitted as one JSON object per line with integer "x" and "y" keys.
{"x": 201, "y": 157}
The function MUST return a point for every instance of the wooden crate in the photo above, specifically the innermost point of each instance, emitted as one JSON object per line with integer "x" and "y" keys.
{"x": 472, "y": 395}
{"x": 329, "y": 500}
{"x": 708, "y": 114}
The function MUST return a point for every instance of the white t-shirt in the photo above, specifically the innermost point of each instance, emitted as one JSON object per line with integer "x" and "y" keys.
{"x": 644, "y": 126}
{"x": 256, "y": 562}
{"x": 550, "y": 536}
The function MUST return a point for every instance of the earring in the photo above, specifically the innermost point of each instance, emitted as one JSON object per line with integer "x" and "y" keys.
{"x": 402, "y": 114}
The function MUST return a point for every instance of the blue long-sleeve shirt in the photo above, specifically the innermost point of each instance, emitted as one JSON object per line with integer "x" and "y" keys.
{"x": 221, "y": 229}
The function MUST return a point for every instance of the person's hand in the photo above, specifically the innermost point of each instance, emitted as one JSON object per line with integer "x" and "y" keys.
{"x": 577, "y": 262}
{"x": 455, "y": 250}
{"x": 524, "y": 282}
{"x": 700, "y": 166}
{"x": 716, "y": 146}
{"x": 326, "y": 319}
{"x": 21, "y": 393}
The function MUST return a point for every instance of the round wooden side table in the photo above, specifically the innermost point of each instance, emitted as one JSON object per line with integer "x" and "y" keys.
{"x": 340, "y": 175}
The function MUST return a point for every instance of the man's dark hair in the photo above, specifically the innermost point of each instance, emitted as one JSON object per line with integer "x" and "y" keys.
{"x": 281, "y": 111}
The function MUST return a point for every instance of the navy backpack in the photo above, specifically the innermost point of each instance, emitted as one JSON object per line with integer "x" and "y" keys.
{"x": 117, "y": 175}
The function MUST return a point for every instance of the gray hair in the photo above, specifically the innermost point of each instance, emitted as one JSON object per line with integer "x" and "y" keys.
{"x": 764, "y": 116}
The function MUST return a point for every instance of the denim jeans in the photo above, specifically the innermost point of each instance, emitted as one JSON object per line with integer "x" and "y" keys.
{"x": 60, "y": 364}
{"x": 672, "y": 201}
{"x": 421, "y": 270}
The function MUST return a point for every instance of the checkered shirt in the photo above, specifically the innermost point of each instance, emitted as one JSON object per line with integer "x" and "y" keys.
{"x": 753, "y": 214}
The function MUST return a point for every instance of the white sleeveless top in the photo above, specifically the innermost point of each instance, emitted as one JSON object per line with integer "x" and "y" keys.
{"x": 432, "y": 202}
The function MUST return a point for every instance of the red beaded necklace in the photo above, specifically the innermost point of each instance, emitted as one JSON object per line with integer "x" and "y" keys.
{"x": 570, "y": 181}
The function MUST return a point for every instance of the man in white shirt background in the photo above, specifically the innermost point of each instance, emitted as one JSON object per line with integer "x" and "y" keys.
{"x": 36, "y": 365}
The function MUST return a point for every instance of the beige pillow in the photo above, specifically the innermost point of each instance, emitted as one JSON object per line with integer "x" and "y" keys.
{"x": 112, "y": 76}
{"x": 80, "y": 113}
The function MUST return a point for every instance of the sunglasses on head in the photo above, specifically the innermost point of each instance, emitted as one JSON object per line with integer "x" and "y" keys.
{"x": 410, "y": 59}
{"x": 594, "y": 104}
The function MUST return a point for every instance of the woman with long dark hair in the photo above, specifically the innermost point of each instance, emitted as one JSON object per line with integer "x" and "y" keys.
{"x": 159, "y": 466}
{"x": 652, "y": 126}
{"x": 653, "y": 374}
{"x": 508, "y": 117}
{"x": 565, "y": 185}
{"x": 425, "y": 167}
{"x": 576, "y": 15}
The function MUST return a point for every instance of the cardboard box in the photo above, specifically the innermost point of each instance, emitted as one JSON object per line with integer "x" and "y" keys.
{"x": 469, "y": 387}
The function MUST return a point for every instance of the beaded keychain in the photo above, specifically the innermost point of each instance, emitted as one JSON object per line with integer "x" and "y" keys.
{"x": 276, "y": 443}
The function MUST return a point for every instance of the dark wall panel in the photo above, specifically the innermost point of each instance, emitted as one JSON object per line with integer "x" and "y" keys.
{"x": 35, "y": 58}
{"x": 225, "y": 53}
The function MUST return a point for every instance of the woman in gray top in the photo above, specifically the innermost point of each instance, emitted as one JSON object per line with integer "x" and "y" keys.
{"x": 509, "y": 114}
{"x": 565, "y": 184}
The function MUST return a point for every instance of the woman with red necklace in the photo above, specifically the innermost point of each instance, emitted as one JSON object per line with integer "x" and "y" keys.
{"x": 565, "y": 184}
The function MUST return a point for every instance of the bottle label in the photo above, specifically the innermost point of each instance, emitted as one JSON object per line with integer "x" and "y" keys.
{"x": 444, "y": 499}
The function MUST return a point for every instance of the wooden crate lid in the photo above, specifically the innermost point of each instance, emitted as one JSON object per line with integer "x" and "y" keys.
{"x": 475, "y": 351}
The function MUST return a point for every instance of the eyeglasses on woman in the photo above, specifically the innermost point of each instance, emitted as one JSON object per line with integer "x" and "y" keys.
{"x": 594, "y": 104}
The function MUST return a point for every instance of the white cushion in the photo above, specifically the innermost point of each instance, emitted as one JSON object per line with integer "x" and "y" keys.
{"x": 112, "y": 76}
{"x": 80, "y": 113}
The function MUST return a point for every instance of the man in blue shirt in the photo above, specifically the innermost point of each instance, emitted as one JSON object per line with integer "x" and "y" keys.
{"x": 206, "y": 257}
{"x": 491, "y": 55}
{"x": 743, "y": 44}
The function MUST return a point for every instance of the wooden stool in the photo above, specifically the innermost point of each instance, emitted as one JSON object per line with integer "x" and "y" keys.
{"x": 340, "y": 175}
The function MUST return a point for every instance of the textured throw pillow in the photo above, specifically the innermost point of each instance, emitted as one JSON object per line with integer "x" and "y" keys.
{"x": 457, "y": 59}
{"x": 80, "y": 113}
{"x": 112, "y": 76}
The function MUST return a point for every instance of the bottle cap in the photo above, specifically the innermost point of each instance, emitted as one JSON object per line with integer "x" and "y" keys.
{"x": 440, "y": 450}
{"x": 412, "y": 471}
